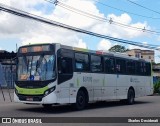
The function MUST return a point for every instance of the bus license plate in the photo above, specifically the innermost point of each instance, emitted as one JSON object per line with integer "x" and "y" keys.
{"x": 29, "y": 99}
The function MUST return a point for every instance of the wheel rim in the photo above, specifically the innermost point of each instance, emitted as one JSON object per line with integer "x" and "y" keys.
{"x": 131, "y": 97}
{"x": 80, "y": 100}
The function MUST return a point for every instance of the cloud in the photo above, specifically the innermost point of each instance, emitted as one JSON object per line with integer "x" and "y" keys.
{"x": 119, "y": 31}
{"x": 29, "y": 31}
{"x": 104, "y": 45}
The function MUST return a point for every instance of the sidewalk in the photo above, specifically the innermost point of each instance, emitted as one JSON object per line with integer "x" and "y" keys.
{"x": 6, "y": 95}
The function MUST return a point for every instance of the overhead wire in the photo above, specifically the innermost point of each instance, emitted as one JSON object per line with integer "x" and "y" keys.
{"x": 143, "y": 6}
{"x": 89, "y": 15}
{"x": 28, "y": 15}
{"x": 121, "y": 10}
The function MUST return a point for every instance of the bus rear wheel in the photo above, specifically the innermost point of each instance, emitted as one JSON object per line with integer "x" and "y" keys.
{"x": 130, "y": 97}
{"x": 81, "y": 100}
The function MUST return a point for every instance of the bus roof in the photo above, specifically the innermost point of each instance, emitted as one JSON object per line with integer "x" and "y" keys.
{"x": 99, "y": 52}
{"x": 102, "y": 52}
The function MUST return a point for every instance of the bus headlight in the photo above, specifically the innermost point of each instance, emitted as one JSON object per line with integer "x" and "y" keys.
{"x": 47, "y": 92}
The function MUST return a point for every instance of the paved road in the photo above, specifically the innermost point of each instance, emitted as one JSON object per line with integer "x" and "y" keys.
{"x": 148, "y": 106}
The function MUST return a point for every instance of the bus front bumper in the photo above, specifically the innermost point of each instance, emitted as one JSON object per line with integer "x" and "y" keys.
{"x": 49, "y": 99}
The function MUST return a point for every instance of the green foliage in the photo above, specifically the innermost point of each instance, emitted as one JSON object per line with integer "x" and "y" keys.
{"x": 118, "y": 48}
{"x": 157, "y": 87}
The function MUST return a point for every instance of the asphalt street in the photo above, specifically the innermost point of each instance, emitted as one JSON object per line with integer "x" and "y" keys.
{"x": 147, "y": 106}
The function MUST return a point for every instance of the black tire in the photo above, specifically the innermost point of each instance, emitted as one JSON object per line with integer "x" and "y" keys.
{"x": 81, "y": 100}
{"x": 130, "y": 97}
{"x": 46, "y": 106}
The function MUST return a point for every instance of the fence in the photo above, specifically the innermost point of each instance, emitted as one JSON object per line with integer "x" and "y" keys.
{"x": 9, "y": 74}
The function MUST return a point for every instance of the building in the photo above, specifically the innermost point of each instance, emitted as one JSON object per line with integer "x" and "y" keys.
{"x": 8, "y": 68}
{"x": 144, "y": 54}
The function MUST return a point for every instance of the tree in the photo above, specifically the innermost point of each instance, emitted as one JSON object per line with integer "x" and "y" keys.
{"x": 118, "y": 48}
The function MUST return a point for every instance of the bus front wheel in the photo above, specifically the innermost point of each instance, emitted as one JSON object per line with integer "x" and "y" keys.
{"x": 80, "y": 100}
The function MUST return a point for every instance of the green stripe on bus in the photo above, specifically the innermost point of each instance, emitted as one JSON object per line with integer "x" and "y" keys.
{"x": 37, "y": 91}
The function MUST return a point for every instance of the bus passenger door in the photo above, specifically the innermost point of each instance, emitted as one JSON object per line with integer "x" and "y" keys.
{"x": 122, "y": 79}
{"x": 97, "y": 76}
{"x": 65, "y": 78}
{"x": 110, "y": 79}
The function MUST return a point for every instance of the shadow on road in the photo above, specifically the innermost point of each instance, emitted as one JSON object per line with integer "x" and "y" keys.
{"x": 58, "y": 109}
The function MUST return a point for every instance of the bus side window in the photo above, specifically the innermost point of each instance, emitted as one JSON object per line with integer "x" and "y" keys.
{"x": 139, "y": 68}
{"x": 130, "y": 67}
{"x": 121, "y": 66}
{"x": 65, "y": 65}
{"x": 109, "y": 64}
{"x": 96, "y": 63}
{"x": 81, "y": 62}
{"x": 148, "y": 69}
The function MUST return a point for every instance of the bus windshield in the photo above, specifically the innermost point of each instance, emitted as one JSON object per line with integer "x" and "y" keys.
{"x": 36, "y": 68}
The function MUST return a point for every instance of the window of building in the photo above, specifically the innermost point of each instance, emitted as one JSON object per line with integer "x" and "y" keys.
{"x": 81, "y": 62}
{"x": 137, "y": 55}
{"x": 149, "y": 57}
{"x": 96, "y": 64}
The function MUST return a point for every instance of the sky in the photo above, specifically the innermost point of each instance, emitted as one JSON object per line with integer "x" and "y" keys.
{"x": 17, "y": 30}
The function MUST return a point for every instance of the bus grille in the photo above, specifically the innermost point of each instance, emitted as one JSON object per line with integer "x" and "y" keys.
{"x": 30, "y": 97}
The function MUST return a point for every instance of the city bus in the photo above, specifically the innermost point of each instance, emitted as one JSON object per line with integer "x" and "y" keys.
{"x": 51, "y": 74}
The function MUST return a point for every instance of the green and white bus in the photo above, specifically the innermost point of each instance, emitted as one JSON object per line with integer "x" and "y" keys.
{"x": 51, "y": 74}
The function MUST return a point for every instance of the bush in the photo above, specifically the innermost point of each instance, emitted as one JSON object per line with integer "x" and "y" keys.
{"x": 157, "y": 87}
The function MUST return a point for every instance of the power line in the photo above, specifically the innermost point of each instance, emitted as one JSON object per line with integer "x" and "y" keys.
{"x": 143, "y": 6}
{"x": 24, "y": 14}
{"x": 121, "y": 10}
{"x": 104, "y": 19}
{"x": 89, "y": 15}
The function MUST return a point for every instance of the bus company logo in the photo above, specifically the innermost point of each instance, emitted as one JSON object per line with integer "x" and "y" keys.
{"x": 87, "y": 79}
{"x": 134, "y": 80}
{"x": 6, "y": 120}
